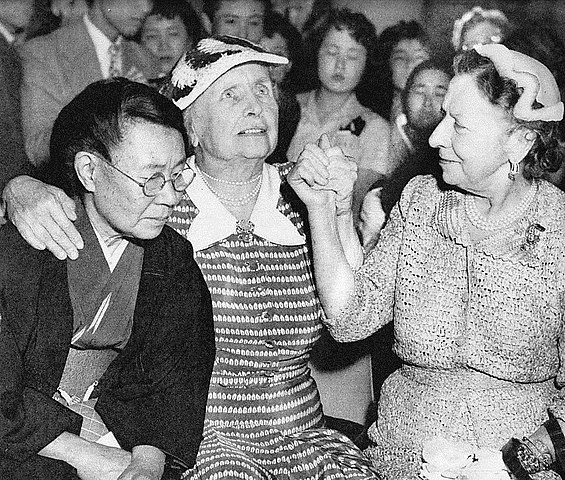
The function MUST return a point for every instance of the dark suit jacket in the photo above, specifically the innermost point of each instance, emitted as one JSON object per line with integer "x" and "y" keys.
{"x": 153, "y": 393}
{"x": 57, "y": 67}
{"x": 13, "y": 160}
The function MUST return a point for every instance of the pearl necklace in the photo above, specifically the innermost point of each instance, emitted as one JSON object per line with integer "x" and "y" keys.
{"x": 239, "y": 201}
{"x": 478, "y": 221}
{"x": 229, "y": 182}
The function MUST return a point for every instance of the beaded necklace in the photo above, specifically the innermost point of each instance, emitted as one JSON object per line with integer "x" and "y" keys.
{"x": 478, "y": 221}
{"x": 239, "y": 201}
{"x": 230, "y": 182}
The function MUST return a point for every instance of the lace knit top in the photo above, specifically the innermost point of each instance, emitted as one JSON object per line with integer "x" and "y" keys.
{"x": 478, "y": 325}
{"x": 495, "y": 306}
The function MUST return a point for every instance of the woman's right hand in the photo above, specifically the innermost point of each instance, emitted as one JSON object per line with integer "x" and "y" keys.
{"x": 323, "y": 177}
{"x": 44, "y": 216}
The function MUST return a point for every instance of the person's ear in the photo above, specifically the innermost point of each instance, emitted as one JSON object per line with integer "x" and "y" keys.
{"x": 519, "y": 144}
{"x": 206, "y": 23}
{"x": 85, "y": 164}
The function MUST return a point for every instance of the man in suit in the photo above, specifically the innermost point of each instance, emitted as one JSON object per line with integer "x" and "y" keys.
{"x": 60, "y": 65}
{"x": 14, "y": 17}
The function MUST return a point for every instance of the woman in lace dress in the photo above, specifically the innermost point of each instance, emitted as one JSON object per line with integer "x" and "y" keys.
{"x": 472, "y": 275}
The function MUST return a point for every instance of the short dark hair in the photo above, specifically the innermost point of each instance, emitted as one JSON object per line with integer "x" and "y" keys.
{"x": 95, "y": 121}
{"x": 546, "y": 153}
{"x": 170, "y": 9}
{"x": 210, "y": 7}
{"x": 358, "y": 26}
{"x": 276, "y": 23}
{"x": 430, "y": 64}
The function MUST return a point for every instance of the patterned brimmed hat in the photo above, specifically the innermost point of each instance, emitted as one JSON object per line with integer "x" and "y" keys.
{"x": 197, "y": 69}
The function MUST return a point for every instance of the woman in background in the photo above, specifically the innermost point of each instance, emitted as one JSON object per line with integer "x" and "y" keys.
{"x": 479, "y": 27}
{"x": 344, "y": 50}
{"x": 282, "y": 38}
{"x": 171, "y": 28}
{"x": 399, "y": 49}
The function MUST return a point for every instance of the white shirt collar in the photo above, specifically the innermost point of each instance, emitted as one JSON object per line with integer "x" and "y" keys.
{"x": 111, "y": 254}
{"x": 101, "y": 44}
{"x": 215, "y": 223}
{"x": 9, "y": 36}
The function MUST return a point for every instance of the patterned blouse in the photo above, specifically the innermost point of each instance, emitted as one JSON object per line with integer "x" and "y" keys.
{"x": 264, "y": 417}
{"x": 478, "y": 325}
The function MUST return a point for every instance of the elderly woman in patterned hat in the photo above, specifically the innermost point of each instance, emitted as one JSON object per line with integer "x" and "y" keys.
{"x": 264, "y": 418}
{"x": 473, "y": 276}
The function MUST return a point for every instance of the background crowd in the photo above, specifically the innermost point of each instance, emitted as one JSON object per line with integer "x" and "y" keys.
{"x": 281, "y": 386}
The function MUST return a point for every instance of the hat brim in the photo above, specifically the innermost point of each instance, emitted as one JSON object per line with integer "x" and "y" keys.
{"x": 222, "y": 66}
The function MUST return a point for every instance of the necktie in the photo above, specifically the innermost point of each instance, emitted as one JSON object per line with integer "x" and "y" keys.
{"x": 115, "y": 59}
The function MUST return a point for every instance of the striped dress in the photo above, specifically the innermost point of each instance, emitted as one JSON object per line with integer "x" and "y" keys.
{"x": 264, "y": 418}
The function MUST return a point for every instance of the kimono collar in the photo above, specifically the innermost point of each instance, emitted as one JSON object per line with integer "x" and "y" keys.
{"x": 214, "y": 222}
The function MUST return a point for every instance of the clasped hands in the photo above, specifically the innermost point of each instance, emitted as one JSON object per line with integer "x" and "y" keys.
{"x": 323, "y": 177}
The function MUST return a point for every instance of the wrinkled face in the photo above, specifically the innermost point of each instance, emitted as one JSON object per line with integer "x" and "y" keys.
{"x": 341, "y": 61}
{"x": 146, "y": 148}
{"x": 237, "y": 117}
{"x": 240, "y": 18}
{"x": 425, "y": 98}
{"x": 125, "y": 16}
{"x": 405, "y": 56}
{"x": 165, "y": 38}
{"x": 17, "y": 13}
{"x": 472, "y": 137}
{"x": 277, "y": 44}
{"x": 481, "y": 34}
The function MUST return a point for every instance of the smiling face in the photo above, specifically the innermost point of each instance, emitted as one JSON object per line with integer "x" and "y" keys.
{"x": 406, "y": 55}
{"x": 472, "y": 137}
{"x": 237, "y": 117}
{"x": 424, "y": 99}
{"x": 119, "y": 206}
{"x": 165, "y": 38}
{"x": 240, "y": 18}
{"x": 341, "y": 61}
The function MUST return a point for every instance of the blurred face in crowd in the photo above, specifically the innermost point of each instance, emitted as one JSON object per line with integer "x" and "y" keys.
{"x": 16, "y": 14}
{"x": 298, "y": 12}
{"x": 424, "y": 99}
{"x": 118, "y": 205}
{"x": 472, "y": 137}
{"x": 69, "y": 10}
{"x": 120, "y": 17}
{"x": 240, "y": 18}
{"x": 341, "y": 61}
{"x": 482, "y": 33}
{"x": 237, "y": 117}
{"x": 278, "y": 45}
{"x": 405, "y": 56}
{"x": 166, "y": 38}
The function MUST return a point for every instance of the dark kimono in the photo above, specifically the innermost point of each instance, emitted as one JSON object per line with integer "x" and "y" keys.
{"x": 153, "y": 393}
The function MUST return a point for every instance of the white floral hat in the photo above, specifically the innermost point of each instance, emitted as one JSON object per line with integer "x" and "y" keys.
{"x": 197, "y": 69}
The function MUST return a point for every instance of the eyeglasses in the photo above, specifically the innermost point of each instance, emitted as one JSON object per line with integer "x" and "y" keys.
{"x": 156, "y": 182}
